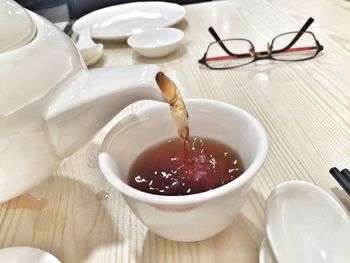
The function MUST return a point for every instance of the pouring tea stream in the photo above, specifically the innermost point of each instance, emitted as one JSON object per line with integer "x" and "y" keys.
{"x": 51, "y": 104}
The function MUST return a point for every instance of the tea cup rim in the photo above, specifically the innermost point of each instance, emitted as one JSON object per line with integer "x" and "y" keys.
{"x": 197, "y": 198}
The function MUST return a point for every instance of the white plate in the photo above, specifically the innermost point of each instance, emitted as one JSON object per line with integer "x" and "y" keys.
{"x": 157, "y": 42}
{"x": 305, "y": 224}
{"x": 26, "y": 254}
{"x": 122, "y": 21}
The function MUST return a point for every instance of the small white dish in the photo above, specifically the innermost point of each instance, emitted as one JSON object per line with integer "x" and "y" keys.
{"x": 89, "y": 50}
{"x": 156, "y": 43}
{"x": 26, "y": 254}
{"x": 305, "y": 224}
{"x": 118, "y": 22}
{"x": 265, "y": 253}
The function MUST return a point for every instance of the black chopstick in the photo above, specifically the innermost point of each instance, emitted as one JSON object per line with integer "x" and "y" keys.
{"x": 343, "y": 178}
{"x": 346, "y": 174}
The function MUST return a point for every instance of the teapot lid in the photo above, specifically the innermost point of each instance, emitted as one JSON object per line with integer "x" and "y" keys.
{"x": 17, "y": 27}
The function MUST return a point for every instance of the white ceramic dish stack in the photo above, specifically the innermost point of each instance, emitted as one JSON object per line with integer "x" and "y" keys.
{"x": 304, "y": 224}
{"x": 157, "y": 42}
{"x": 144, "y": 22}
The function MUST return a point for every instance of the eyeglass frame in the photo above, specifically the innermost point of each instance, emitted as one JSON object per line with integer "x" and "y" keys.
{"x": 261, "y": 55}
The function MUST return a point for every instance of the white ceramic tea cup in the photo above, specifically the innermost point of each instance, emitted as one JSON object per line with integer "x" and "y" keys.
{"x": 191, "y": 217}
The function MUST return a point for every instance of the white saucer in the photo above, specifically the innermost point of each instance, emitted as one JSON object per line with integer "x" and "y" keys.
{"x": 156, "y": 43}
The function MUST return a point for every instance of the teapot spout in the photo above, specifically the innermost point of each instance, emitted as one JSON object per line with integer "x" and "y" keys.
{"x": 92, "y": 98}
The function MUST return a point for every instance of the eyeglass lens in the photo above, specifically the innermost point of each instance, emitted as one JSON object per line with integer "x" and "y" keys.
{"x": 304, "y": 48}
{"x": 240, "y": 52}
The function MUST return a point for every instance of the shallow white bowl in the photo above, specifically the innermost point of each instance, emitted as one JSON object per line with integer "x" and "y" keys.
{"x": 157, "y": 42}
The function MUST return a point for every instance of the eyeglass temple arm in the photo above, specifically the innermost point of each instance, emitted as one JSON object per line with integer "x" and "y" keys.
{"x": 298, "y": 35}
{"x": 218, "y": 39}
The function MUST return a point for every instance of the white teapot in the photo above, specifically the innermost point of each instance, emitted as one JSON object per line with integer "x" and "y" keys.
{"x": 50, "y": 103}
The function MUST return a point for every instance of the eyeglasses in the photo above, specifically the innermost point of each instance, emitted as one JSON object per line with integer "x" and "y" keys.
{"x": 236, "y": 52}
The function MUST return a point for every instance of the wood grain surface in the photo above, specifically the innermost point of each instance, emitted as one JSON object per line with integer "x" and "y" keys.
{"x": 304, "y": 107}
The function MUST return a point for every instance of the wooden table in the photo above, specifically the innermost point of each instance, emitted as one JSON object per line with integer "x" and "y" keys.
{"x": 304, "y": 107}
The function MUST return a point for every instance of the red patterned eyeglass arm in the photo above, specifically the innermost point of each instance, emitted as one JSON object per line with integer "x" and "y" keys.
{"x": 244, "y": 55}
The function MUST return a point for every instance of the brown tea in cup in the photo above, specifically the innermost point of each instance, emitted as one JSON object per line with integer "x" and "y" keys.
{"x": 168, "y": 169}
{"x": 184, "y": 165}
